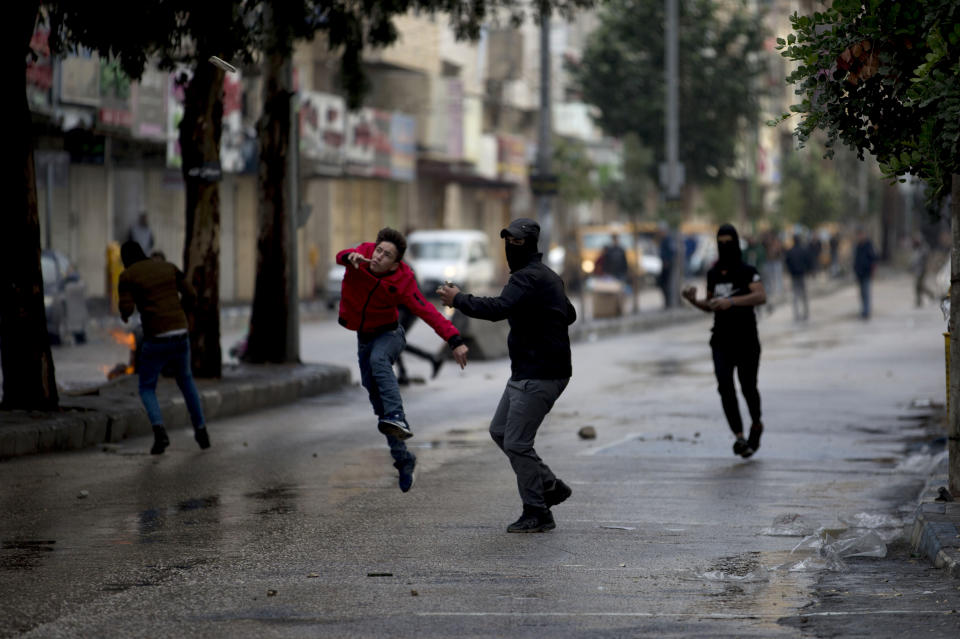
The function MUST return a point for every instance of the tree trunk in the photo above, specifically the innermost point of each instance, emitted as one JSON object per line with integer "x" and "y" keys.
{"x": 200, "y": 133}
{"x": 953, "y": 428}
{"x": 29, "y": 381}
{"x": 269, "y": 337}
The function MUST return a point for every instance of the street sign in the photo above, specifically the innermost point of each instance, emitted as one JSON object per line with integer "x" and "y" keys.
{"x": 546, "y": 184}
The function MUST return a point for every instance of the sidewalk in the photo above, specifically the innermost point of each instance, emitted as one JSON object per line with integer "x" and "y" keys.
{"x": 113, "y": 411}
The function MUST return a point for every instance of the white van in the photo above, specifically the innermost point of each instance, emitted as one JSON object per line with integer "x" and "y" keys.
{"x": 460, "y": 257}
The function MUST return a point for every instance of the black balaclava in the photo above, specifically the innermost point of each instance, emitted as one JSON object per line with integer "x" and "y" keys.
{"x": 729, "y": 252}
{"x": 131, "y": 253}
{"x": 519, "y": 256}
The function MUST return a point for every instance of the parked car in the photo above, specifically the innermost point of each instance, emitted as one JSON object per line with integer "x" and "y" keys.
{"x": 461, "y": 257}
{"x": 331, "y": 286}
{"x": 64, "y": 298}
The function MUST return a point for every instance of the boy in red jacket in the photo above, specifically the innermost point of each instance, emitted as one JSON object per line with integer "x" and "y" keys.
{"x": 375, "y": 283}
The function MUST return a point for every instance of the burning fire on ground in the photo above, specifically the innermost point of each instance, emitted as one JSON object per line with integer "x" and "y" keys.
{"x": 130, "y": 341}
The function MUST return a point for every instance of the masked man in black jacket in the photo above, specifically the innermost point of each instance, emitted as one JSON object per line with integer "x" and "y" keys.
{"x": 734, "y": 290}
{"x": 535, "y": 304}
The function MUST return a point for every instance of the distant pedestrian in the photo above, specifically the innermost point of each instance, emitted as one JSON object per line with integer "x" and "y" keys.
{"x": 835, "y": 255}
{"x": 613, "y": 260}
{"x": 864, "y": 262}
{"x": 667, "y": 255}
{"x": 773, "y": 273}
{"x": 733, "y": 290}
{"x": 375, "y": 283}
{"x": 155, "y": 288}
{"x": 535, "y": 304}
{"x": 797, "y": 262}
{"x": 919, "y": 261}
{"x": 141, "y": 234}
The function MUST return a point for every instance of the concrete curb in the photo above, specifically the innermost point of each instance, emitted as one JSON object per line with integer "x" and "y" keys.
{"x": 936, "y": 534}
{"x": 113, "y": 411}
{"x": 936, "y": 526}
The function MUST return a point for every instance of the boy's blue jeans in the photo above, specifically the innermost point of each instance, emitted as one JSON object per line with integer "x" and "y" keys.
{"x": 376, "y": 357}
{"x": 155, "y": 354}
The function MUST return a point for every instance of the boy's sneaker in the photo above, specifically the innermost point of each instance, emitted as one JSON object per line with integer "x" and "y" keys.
{"x": 533, "y": 520}
{"x": 557, "y": 494}
{"x": 740, "y": 446}
{"x": 202, "y": 437}
{"x": 753, "y": 443}
{"x": 395, "y": 426}
{"x": 408, "y": 472}
{"x": 160, "y": 440}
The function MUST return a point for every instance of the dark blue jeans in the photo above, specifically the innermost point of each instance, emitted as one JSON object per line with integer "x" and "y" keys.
{"x": 864, "y": 281}
{"x": 376, "y": 357}
{"x": 157, "y": 353}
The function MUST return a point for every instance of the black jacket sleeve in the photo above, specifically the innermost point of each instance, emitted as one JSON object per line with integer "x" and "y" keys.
{"x": 493, "y": 308}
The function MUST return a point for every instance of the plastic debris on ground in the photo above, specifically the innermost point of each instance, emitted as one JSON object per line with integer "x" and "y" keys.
{"x": 853, "y": 535}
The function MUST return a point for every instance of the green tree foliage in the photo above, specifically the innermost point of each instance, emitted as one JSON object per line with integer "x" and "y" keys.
{"x": 811, "y": 193}
{"x": 630, "y": 191}
{"x": 575, "y": 171}
{"x": 622, "y": 73}
{"x": 882, "y": 77}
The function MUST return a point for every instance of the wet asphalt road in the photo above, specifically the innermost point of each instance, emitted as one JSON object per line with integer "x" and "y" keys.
{"x": 292, "y": 524}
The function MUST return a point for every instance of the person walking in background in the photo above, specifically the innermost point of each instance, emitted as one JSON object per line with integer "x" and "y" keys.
{"x": 141, "y": 234}
{"x": 667, "y": 254}
{"x": 772, "y": 274}
{"x": 154, "y": 287}
{"x": 797, "y": 262}
{"x": 613, "y": 260}
{"x": 733, "y": 290}
{"x": 535, "y": 304}
{"x": 919, "y": 261}
{"x": 375, "y": 283}
{"x": 864, "y": 261}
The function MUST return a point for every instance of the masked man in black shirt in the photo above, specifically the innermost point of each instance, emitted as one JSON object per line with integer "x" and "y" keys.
{"x": 535, "y": 304}
{"x": 733, "y": 290}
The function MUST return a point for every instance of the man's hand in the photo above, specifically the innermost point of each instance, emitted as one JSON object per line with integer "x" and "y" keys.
{"x": 460, "y": 355}
{"x": 447, "y": 292}
{"x": 720, "y": 303}
{"x": 690, "y": 294}
{"x": 356, "y": 259}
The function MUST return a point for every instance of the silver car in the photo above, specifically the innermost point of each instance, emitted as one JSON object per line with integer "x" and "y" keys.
{"x": 64, "y": 299}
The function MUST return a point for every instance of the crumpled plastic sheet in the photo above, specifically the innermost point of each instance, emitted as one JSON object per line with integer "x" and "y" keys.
{"x": 920, "y": 463}
{"x": 832, "y": 550}
{"x": 790, "y": 525}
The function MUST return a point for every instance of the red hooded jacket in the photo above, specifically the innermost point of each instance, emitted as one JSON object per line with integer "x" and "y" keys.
{"x": 368, "y": 303}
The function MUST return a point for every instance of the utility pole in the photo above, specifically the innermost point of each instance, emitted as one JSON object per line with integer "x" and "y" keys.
{"x": 672, "y": 180}
{"x": 544, "y": 138}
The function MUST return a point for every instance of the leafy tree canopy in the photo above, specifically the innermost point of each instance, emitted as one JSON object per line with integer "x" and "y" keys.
{"x": 239, "y": 30}
{"x": 882, "y": 77}
{"x": 719, "y": 61}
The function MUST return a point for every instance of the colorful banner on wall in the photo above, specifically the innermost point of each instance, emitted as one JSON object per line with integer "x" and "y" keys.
{"x": 323, "y": 131}
{"x": 403, "y": 140}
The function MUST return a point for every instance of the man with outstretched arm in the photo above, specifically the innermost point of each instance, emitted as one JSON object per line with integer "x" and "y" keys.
{"x": 733, "y": 290}
{"x": 535, "y": 304}
{"x": 375, "y": 283}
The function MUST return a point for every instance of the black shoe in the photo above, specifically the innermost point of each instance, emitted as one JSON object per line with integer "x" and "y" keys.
{"x": 403, "y": 381}
{"x": 533, "y": 520}
{"x": 395, "y": 426}
{"x": 202, "y": 437}
{"x": 558, "y": 494}
{"x": 740, "y": 446}
{"x": 437, "y": 363}
{"x": 160, "y": 440}
{"x": 753, "y": 443}
{"x": 408, "y": 472}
